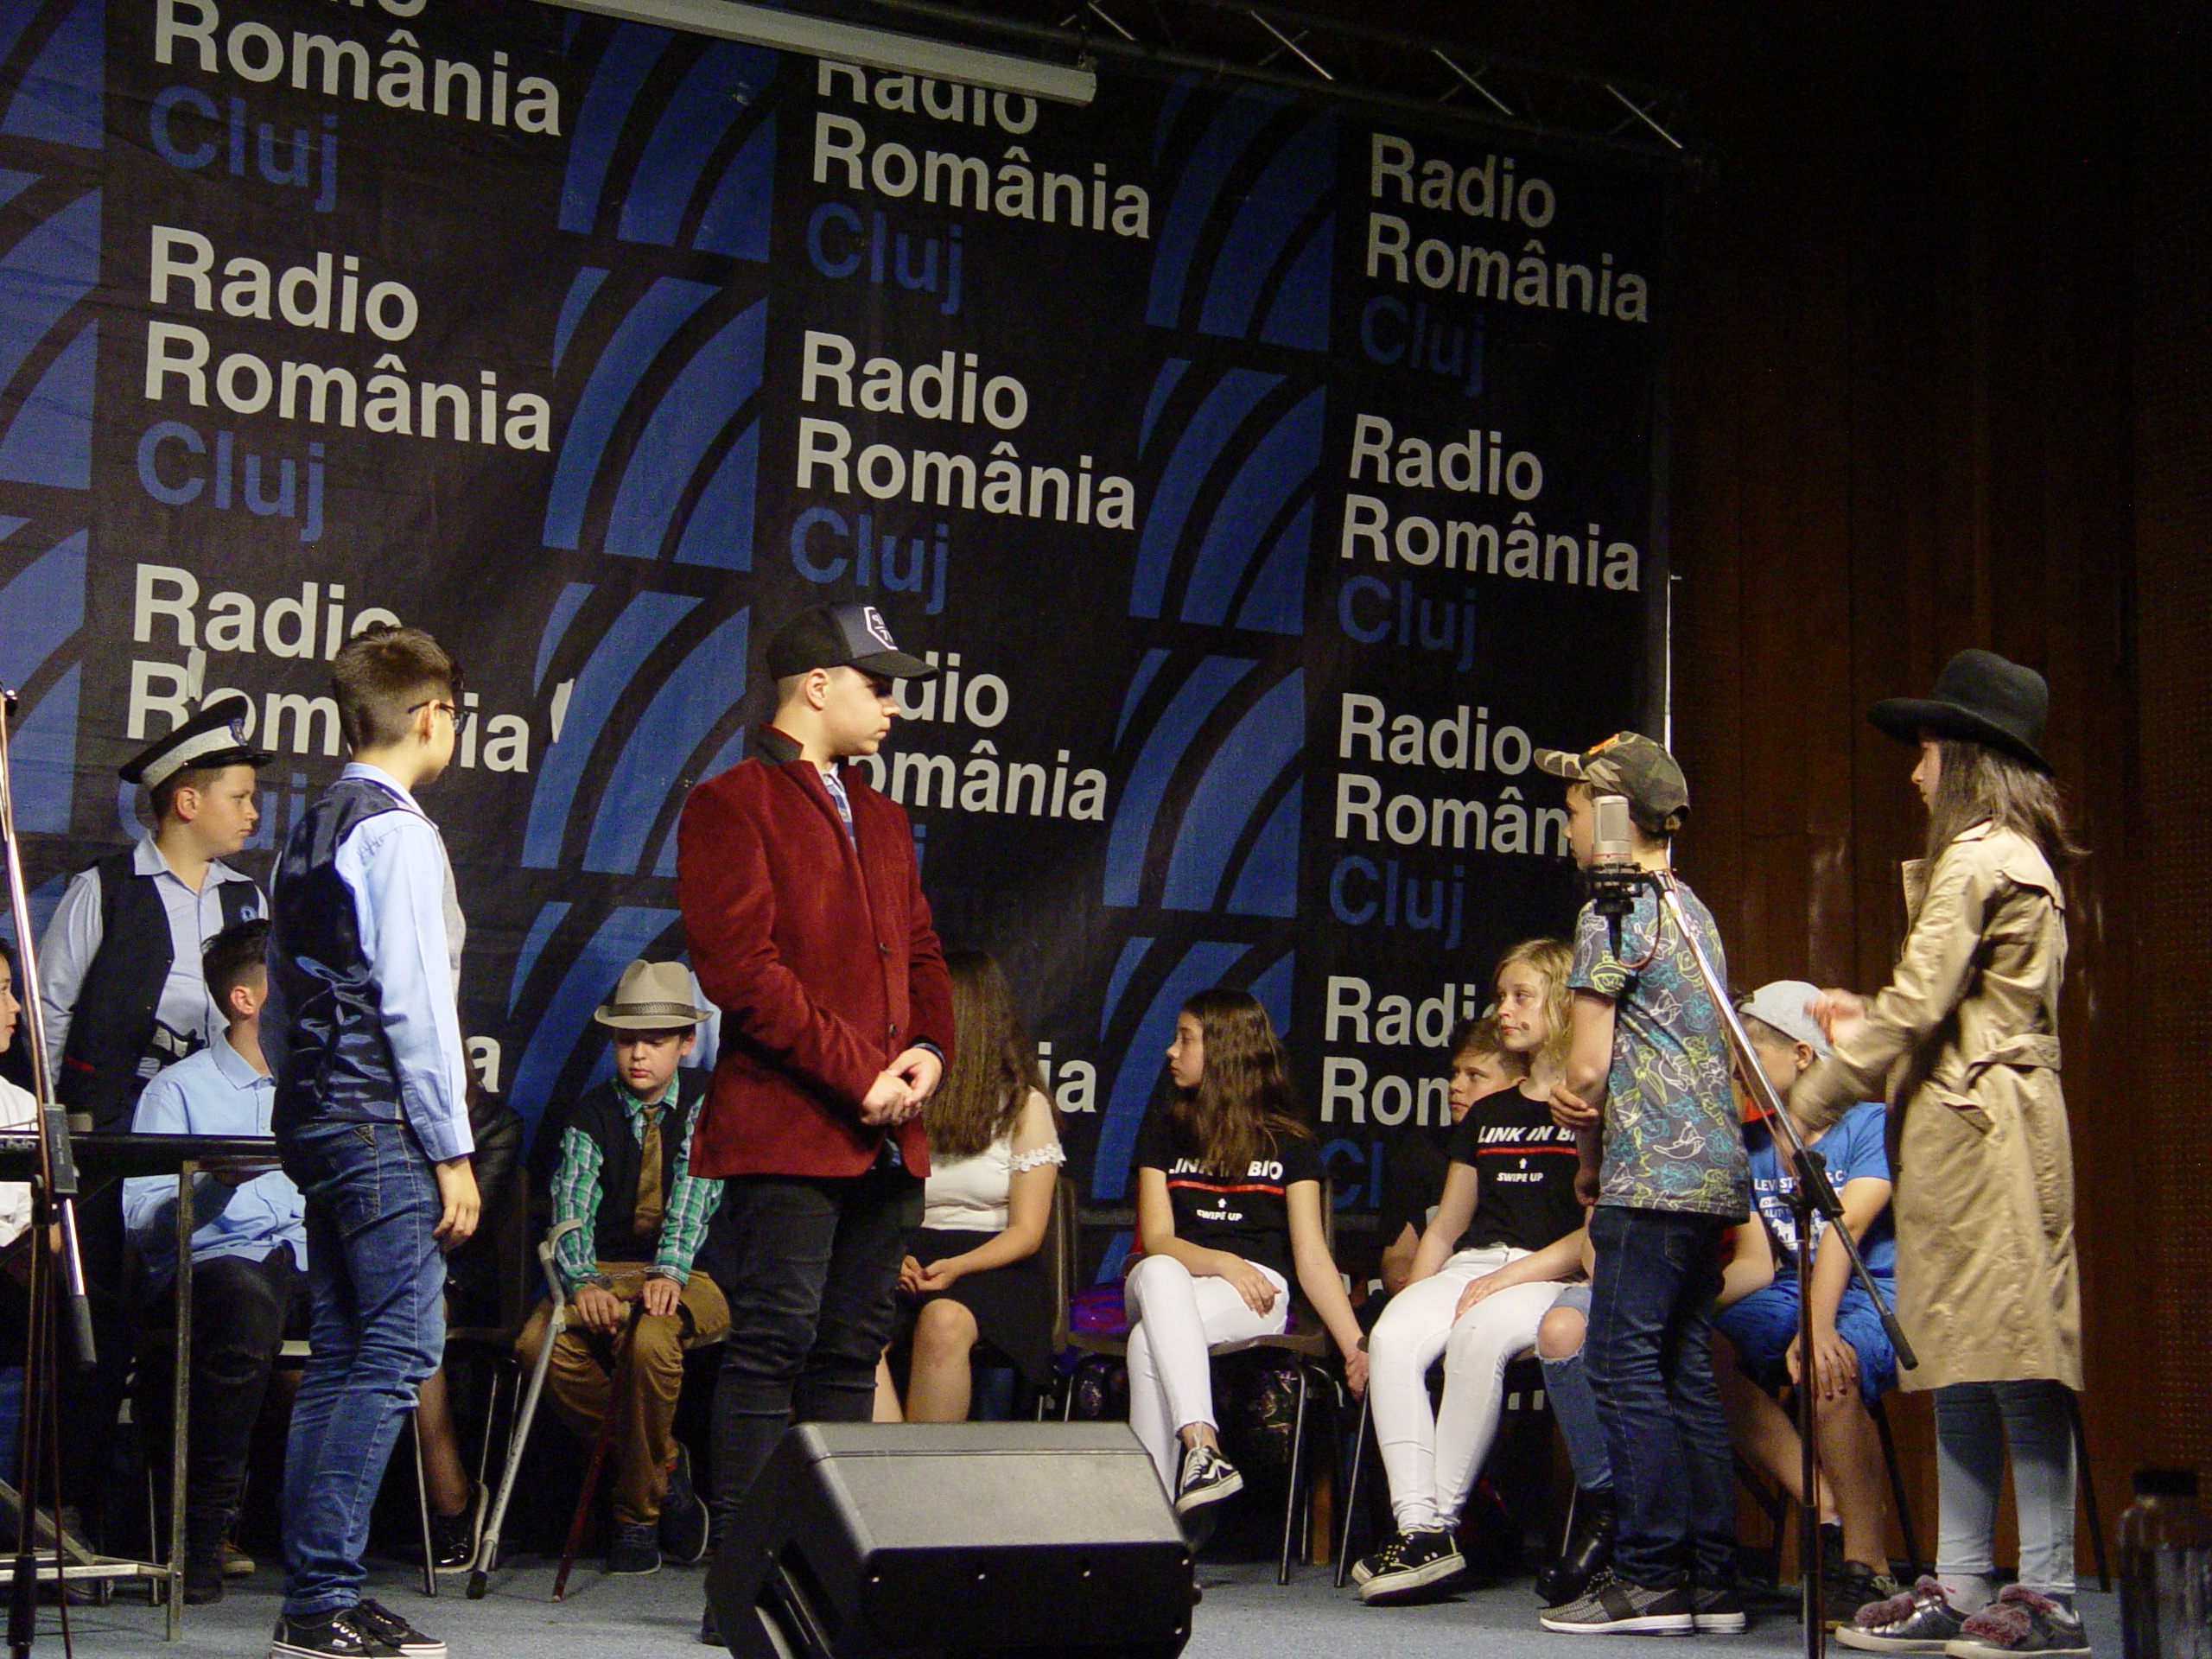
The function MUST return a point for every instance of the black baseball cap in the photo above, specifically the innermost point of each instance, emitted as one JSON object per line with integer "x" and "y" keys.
{"x": 212, "y": 738}
{"x": 842, "y": 636}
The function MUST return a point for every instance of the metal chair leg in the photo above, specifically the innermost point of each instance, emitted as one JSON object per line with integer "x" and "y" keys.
{"x": 1351, "y": 1493}
{"x": 422, "y": 1506}
{"x": 2085, "y": 1477}
{"x": 1898, "y": 1497}
{"x": 1297, "y": 1466}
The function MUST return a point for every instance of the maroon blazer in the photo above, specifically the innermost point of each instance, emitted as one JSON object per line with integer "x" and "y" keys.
{"x": 821, "y": 959}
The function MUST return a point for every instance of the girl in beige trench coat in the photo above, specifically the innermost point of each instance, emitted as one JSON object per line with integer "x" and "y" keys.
{"x": 1964, "y": 1042}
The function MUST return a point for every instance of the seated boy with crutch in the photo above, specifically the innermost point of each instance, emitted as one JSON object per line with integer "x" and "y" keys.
{"x": 624, "y": 1175}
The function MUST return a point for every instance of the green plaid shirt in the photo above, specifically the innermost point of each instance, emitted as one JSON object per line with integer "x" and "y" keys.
{"x": 690, "y": 1200}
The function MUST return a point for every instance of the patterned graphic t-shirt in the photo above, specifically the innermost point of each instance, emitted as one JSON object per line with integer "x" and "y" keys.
{"x": 1672, "y": 1137}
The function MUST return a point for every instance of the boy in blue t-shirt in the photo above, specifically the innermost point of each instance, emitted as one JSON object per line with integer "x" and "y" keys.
{"x": 1852, "y": 1360}
{"x": 1649, "y": 1064}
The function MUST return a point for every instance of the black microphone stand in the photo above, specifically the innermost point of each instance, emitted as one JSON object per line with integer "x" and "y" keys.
{"x": 1613, "y": 889}
{"x": 55, "y": 1205}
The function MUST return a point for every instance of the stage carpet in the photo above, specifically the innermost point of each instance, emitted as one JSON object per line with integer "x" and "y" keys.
{"x": 1244, "y": 1615}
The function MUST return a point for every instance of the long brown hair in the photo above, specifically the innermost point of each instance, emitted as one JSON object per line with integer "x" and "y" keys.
{"x": 1976, "y": 783}
{"x": 994, "y": 1066}
{"x": 1243, "y": 1100}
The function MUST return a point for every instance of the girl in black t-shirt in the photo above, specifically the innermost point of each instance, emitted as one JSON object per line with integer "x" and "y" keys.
{"x": 1229, "y": 1205}
{"x": 1508, "y": 1195}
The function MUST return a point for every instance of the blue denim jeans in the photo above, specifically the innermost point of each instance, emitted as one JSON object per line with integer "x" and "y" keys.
{"x": 1649, "y": 1356}
{"x": 375, "y": 1282}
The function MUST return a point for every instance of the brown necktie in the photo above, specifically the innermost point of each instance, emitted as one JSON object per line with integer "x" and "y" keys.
{"x": 652, "y": 1201}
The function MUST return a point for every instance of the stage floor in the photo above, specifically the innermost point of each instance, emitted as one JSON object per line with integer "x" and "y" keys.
{"x": 1245, "y": 1615}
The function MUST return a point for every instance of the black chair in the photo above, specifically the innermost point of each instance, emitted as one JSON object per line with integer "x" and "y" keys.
{"x": 1774, "y": 1504}
{"x": 1523, "y": 1392}
{"x": 1307, "y": 1342}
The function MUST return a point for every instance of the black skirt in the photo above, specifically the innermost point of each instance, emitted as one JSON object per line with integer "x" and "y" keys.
{"x": 1013, "y": 1304}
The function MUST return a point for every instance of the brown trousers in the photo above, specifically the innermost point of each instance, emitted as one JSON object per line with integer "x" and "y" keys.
{"x": 581, "y": 1379}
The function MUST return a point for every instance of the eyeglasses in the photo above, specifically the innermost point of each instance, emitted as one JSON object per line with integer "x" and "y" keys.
{"x": 460, "y": 716}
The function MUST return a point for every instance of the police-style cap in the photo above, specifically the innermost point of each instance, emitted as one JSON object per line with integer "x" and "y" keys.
{"x": 1629, "y": 765}
{"x": 212, "y": 738}
{"x": 842, "y": 636}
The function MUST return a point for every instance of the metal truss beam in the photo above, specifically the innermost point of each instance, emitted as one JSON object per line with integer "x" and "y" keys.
{"x": 1445, "y": 83}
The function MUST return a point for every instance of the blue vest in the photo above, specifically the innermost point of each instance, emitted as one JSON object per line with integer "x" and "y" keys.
{"x": 322, "y": 1027}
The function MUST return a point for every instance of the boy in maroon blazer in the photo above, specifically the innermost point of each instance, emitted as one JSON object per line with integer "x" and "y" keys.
{"x": 808, "y": 929}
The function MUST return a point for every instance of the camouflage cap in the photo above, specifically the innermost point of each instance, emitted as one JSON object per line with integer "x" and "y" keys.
{"x": 1629, "y": 765}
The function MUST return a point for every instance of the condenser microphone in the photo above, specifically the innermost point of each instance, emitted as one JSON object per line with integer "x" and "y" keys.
{"x": 1613, "y": 864}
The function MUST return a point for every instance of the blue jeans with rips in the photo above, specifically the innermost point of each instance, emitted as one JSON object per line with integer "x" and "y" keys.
{"x": 376, "y": 1283}
{"x": 1649, "y": 1351}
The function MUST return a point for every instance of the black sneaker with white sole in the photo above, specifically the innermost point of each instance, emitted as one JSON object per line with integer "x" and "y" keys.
{"x": 1718, "y": 1610}
{"x": 1206, "y": 1478}
{"x": 396, "y": 1633}
{"x": 684, "y": 1520}
{"x": 1611, "y": 1605}
{"x": 1409, "y": 1563}
{"x": 336, "y": 1636}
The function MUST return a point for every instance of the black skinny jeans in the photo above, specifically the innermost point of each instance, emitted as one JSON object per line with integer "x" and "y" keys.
{"x": 812, "y": 1298}
{"x": 241, "y": 1312}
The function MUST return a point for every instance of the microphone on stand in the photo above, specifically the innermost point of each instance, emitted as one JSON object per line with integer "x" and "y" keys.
{"x": 1614, "y": 875}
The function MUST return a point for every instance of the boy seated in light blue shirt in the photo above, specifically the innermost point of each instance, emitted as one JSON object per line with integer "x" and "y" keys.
{"x": 248, "y": 1247}
{"x": 1852, "y": 1359}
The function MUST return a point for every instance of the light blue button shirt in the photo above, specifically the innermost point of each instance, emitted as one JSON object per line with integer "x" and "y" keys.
{"x": 395, "y": 865}
{"x": 213, "y": 1092}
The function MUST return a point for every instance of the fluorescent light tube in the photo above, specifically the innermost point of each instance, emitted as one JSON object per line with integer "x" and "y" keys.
{"x": 824, "y": 37}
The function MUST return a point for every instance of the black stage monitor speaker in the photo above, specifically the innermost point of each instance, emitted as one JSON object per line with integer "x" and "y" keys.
{"x": 1001, "y": 1540}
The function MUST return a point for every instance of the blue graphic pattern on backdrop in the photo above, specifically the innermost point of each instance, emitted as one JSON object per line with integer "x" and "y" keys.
{"x": 48, "y": 273}
{"x": 1276, "y": 243}
{"x": 1265, "y": 747}
{"x": 696, "y": 408}
{"x": 638, "y": 340}
{"x": 566, "y": 770}
{"x": 689, "y": 703}
{"x": 58, "y": 101}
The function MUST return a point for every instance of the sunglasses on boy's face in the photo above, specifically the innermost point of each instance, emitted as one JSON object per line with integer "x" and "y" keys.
{"x": 460, "y": 716}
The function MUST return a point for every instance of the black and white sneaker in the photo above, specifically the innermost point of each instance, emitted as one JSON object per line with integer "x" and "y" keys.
{"x": 395, "y": 1632}
{"x": 1612, "y": 1605}
{"x": 1206, "y": 1478}
{"x": 340, "y": 1635}
{"x": 1411, "y": 1562}
{"x": 1718, "y": 1610}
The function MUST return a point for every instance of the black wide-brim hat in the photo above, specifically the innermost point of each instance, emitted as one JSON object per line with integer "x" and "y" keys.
{"x": 1978, "y": 696}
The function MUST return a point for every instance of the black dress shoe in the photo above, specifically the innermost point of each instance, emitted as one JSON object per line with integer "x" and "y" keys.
{"x": 1588, "y": 1548}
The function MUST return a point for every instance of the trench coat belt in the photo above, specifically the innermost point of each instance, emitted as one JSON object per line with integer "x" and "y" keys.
{"x": 2025, "y": 1051}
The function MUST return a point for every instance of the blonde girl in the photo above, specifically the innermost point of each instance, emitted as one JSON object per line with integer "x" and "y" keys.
{"x": 1508, "y": 1214}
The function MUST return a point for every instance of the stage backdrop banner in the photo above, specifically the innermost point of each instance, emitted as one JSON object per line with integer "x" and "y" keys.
{"x": 1266, "y": 478}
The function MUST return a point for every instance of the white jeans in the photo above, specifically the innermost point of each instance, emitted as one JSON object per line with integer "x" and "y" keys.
{"x": 1431, "y": 1460}
{"x": 1975, "y": 1423}
{"x": 1173, "y": 1317}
